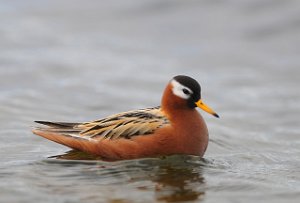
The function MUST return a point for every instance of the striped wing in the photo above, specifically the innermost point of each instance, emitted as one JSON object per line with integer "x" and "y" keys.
{"x": 123, "y": 125}
{"x": 126, "y": 125}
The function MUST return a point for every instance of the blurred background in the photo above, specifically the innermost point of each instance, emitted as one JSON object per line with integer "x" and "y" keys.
{"x": 71, "y": 60}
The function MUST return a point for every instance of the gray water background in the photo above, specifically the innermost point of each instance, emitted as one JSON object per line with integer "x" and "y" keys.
{"x": 66, "y": 60}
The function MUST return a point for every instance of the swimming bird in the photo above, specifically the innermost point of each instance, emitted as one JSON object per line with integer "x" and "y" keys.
{"x": 174, "y": 127}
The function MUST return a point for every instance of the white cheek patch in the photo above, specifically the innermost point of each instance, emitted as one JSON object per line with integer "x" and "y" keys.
{"x": 178, "y": 90}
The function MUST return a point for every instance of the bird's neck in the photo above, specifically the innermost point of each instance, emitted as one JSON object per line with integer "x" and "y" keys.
{"x": 189, "y": 126}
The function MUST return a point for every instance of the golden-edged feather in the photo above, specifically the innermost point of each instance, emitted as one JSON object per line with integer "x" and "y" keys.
{"x": 122, "y": 125}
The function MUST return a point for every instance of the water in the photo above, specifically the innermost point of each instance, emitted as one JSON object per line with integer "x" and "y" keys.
{"x": 74, "y": 61}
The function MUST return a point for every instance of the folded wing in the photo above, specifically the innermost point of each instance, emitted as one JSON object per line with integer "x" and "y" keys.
{"x": 123, "y": 125}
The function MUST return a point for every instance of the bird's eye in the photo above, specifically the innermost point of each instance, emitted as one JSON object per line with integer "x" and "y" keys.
{"x": 185, "y": 91}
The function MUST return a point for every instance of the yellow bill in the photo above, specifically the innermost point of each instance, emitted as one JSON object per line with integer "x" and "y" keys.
{"x": 206, "y": 108}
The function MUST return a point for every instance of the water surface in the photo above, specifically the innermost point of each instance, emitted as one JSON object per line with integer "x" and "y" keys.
{"x": 76, "y": 61}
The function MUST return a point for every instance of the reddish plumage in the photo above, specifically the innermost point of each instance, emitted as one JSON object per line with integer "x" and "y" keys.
{"x": 182, "y": 132}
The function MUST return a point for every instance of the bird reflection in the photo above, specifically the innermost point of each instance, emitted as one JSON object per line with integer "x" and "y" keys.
{"x": 76, "y": 155}
{"x": 176, "y": 178}
{"x": 179, "y": 183}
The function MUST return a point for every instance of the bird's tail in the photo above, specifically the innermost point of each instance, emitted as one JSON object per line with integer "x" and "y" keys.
{"x": 67, "y": 134}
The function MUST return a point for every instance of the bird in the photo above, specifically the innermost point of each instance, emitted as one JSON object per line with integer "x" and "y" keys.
{"x": 174, "y": 128}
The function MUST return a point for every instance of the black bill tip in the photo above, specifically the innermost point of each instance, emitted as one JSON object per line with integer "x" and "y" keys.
{"x": 216, "y": 115}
